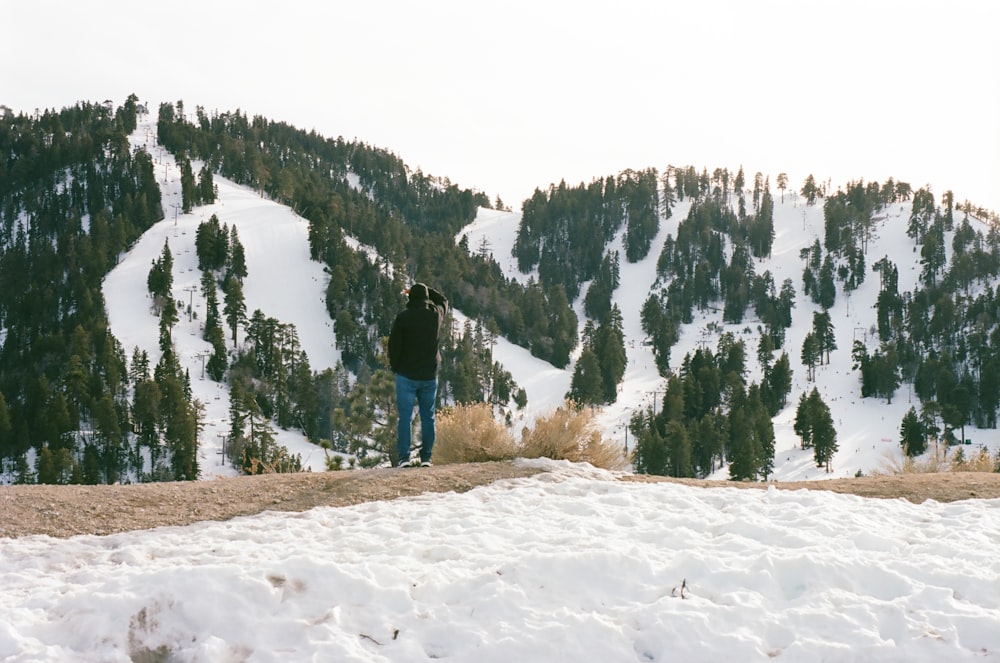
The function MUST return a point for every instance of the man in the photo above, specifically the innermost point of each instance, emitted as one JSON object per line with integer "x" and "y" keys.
{"x": 414, "y": 358}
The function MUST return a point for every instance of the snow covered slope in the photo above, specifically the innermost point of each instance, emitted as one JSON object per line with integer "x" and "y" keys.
{"x": 282, "y": 282}
{"x": 867, "y": 429}
{"x": 285, "y": 284}
{"x": 568, "y": 565}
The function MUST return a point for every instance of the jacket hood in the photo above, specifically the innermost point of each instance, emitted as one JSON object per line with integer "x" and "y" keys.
{"x": 418, "y": 292}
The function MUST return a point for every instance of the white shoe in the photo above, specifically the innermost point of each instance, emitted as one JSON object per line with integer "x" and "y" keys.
{"x": 425, "y": 463}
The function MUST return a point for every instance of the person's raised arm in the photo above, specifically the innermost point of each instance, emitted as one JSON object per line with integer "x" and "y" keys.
{"x": 438, "y": 298}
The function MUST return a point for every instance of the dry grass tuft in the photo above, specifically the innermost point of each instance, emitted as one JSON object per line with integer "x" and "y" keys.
{"x": 936, "y": 461}
{"x": 572, "y": 434}
{"x": 894, "y": 465}
{"x": 471, "y": 434}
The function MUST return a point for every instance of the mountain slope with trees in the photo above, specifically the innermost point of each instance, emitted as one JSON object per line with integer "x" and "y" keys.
{"x": 77, "y": 407}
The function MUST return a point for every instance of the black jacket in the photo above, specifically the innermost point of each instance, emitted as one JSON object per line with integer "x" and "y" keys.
{"x": 416, "y": 334}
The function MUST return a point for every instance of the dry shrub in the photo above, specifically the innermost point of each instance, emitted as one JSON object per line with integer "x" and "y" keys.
{"x": 936, "y": 461}
{"x": 980, "y": 462}
{"x": 571, "y": 434}
{"x": 471, "y": 434}
{"x": 894, "y": 465}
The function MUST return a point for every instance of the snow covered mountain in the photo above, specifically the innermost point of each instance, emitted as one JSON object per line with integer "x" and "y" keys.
{"x": 570, "y": 564}
{"x": 285, "y": 284}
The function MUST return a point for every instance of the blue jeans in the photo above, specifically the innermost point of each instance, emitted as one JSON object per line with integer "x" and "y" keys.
{"x": 423, "y": 393}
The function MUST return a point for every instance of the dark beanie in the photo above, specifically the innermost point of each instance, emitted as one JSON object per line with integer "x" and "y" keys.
{"x": 418, "y": 292}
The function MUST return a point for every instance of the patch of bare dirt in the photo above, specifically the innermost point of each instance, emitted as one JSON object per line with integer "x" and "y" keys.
{"x": 64, "y": 511}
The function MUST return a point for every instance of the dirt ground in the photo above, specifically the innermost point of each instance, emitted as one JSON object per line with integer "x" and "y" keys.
{"x": 64, "y": 511}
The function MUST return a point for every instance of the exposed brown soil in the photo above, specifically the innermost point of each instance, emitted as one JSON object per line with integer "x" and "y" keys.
{"x": 63, "y": 511}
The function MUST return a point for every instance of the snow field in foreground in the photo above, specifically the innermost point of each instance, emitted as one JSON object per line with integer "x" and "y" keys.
{"x": 566, "y": 565}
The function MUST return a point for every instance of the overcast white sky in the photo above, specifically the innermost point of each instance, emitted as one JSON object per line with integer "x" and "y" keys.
{"x": 527, "y": 92}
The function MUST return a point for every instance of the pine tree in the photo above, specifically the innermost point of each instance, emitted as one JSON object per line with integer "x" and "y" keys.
{"x": 707, "y": 443}
{"x": 168, "y": 318}
{"x": 234, "y": 306}
{"x": 785, "y": 304}
{"x": 190, "y": 191}
{"x": 810, "y": 191}
{"x": 108, "y": 437}
{"x": 826, "y": 287}
{"x": 911, "y": 434}
{"x": 932, "y": 255}
{"x": 824, "y": 434}
{"x": 651, "y": 456}
{"x": 824, "y": 333}
{"x": 562, "y": 326}
{"x": 814, "y": 426}
{"x": 210, "y": 244}
{"x": 802, "y": 425}
{"x": 922, "y": 212}
{"x": 206, "y": 186}
{"x": 258, "y": 448}
{"x": 885, "y": 366}
{"x": 743, "y": 451}
{"x": 587, "y": 385}
{"x": 146, "y": 415}
{"x": 810, "y": 355}
{"x": 180, "y": 429}
{"x": 160, "y": 280}
{"x": 782, "y": 185}
{"x": 237, "y": 257}
{"x": 678, "y": 445}
{"x": 763, "y": 431}
{"x": 780, "y": 380}
{"x": 609, "y": 345}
